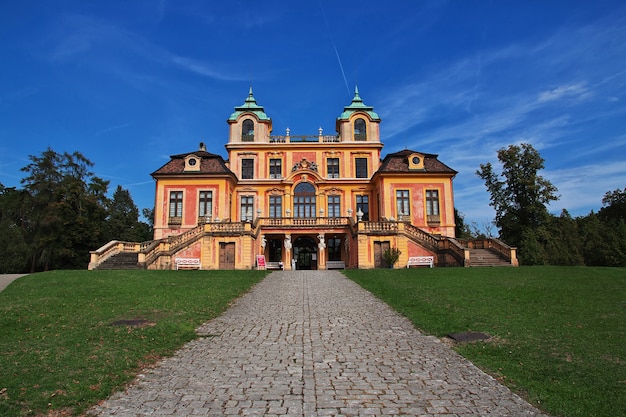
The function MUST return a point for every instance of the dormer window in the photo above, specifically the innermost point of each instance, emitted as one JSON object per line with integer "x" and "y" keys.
{"x": 360, "y": 132}
{"x": 192, "y": 163}
{"x": 416, "y": 161}
{"x": 247, "y": 131}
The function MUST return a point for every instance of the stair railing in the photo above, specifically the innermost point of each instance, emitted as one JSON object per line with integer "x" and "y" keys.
{"x": 426, "y": 239}
{"x": 108, "y": 250}
{"x": 505, "y": 250}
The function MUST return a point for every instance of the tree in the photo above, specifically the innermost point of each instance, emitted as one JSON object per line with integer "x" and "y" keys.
{"x": 520, "y": 198}
{"x": 461, "y": 230}
{"x": 123, "y": 216}
{"x": 123, "y": 219}
{"x": 562, "y": 244}
{"x": 614, "y": 206}
{"x": 67, "y": 209}
{"x": 14, "y": 252}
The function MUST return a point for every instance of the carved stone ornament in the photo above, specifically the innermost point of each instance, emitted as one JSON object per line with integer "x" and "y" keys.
{"x": 304, "y": 164}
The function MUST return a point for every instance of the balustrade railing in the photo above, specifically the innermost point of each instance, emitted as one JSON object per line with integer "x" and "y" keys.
{"x": 303, "y": 221}
{"x": 425, "y": 238}
{"x": 456, "y": 249}
{"x": 179, "y": 241}
{"x": 304, "y": 138}
{"x": 226, "y": 227}
{"x": 371, "y": 226}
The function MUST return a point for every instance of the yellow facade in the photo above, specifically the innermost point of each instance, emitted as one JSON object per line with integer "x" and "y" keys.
{"x": 304, "y": 202}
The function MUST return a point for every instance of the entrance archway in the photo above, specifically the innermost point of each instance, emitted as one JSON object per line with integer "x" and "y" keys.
{"x": 305, "y": 252}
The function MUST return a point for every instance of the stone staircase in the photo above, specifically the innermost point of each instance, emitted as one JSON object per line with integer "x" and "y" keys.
{"x": 122, "y": 260}
{"x": 486, "y": 257}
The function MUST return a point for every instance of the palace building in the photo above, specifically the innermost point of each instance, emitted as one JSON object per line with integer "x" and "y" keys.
{"x": 300, "y": 202}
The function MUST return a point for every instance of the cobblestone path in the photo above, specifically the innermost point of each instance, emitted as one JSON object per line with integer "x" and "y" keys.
{"x": 313, "y": 343}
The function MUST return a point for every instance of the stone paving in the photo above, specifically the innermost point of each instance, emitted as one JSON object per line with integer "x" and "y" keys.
{"x": 313, "y": 343}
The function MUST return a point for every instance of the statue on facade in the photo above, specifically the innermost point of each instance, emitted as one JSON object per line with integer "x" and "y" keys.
{"x": 322, "y": 244}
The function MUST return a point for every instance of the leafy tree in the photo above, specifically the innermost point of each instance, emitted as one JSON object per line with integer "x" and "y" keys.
{"x": 14, "y": 252}
{"x": 614, "y": 206}
{"x": 124, "y": 221}
{"x": 123, "y": 216}
{"x": 520, "y": 197}
{"x": 148, "y": 214}
{"x": 461, "y": 230}
{"x": 562, "y": 245}
{"x": 67, "y": 211}
{"x": 603, "y": 243}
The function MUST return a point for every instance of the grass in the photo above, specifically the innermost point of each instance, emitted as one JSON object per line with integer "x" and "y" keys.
{"x": 69, "y": 339}
{"x": 558, "y": 333}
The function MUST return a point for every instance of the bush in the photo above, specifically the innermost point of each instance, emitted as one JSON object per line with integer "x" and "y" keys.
{"x": 391, "y": 256}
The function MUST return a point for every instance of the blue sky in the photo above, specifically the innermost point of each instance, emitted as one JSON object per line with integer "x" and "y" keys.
{"x": 128, "y": 83}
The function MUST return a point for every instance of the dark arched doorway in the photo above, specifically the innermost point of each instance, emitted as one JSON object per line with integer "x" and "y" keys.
{"x": 305, "y": 253}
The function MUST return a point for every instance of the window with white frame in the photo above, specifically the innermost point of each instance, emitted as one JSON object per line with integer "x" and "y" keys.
{"x": 432, "y": 205}
{"x": 403, "y": 204}
{"x": 205, "y": 204}
{"x": 362, "y": 205}
{"x": 276, "y": 168}
{"x": 176, "y": 207}
{"x": 276, "y": 206}
{"x": 333, "y": 167}
{"x": 334, "y": 206}
{"x": 247, "y": 208}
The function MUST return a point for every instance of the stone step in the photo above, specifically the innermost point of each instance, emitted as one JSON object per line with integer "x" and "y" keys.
{"x": 122, "y": 260}
{"x": 486, "y": 257}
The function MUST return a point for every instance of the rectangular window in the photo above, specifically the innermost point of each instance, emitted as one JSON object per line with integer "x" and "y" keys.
{"x": 276, "y": 168}
{"x": 176, "y": 207}
{"x": 333, "y": 167}
{"x": 334, "y": 207}
{"x": 276, "y": 206}
{"x": 247, "y": 208}
{"x": 362, "y": 205}
{"x": 333, "y": 246}
{"x": 361, "y": 167}
{"x": 205, "y": 204}
{"x": 247, "y": 169}
{"x": 432, "y": 202}
{"x": 432, "y": 206}
{"x": 403, "y": 205}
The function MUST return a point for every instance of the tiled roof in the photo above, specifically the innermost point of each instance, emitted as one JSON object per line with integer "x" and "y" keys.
{"x": 209, "y": 164}
{"x": 399, "y": 162}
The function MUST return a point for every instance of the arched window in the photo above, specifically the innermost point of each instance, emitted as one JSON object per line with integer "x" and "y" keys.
{"x": 304, "y": 200}
{"x": 247, "y": 131}
{"x": 360, "y": 131}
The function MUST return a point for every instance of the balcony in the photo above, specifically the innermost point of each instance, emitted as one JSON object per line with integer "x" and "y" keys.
{"x": 304, "y": 139}
{"x": 300, "y": 222}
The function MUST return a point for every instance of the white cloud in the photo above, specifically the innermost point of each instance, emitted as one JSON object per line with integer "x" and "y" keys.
{"x": 205, "y": 69}
{"x": 575, "y": 91}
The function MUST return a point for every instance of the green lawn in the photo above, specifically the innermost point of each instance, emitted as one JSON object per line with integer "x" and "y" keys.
{"x": 558, "y": 333}
{"x": 71, "y": 338}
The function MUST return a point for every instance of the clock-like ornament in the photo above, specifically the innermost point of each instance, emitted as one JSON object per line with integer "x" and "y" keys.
{"x": 192, "y": 162}
{"x": 416, "y": 160}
